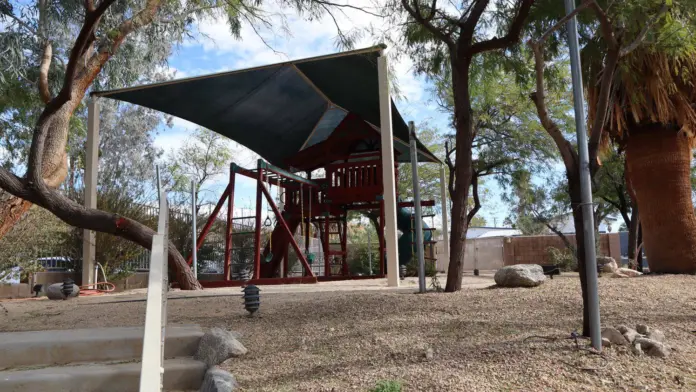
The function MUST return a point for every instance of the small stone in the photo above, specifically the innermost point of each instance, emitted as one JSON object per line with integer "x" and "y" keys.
{"x": 642, "y": 329}
{"x": 429, "y": 354}
{"x": 628, "y": 272}
{"x": 613, "y": 335}
{"x": 618, "y": 274}
{"x": 218, "y": 380}
{"x": 631, "y": 335}
{"x": 332, "y": 329}
{"x": 218, "y": 345}
{"x": 656, "y": 335}
{"x": 606, "y": 342}
{"x": 636, "y": 349}
{"x": 622, "y": 328}
{"x": 653, "y": 348}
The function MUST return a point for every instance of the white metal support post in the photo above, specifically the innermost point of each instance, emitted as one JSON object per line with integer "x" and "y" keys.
{"x": 152, "y": 365}
{"x": 91, "y": 175}
{"x": 388, "y": 180}
{"x": 445, "y": 212}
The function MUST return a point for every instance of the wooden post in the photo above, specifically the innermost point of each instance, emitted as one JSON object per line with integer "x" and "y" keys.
{"x": 91, "y": 177}
{"x": 388, "y": 176}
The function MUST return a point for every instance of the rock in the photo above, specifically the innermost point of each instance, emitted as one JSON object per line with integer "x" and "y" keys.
{"x": 653, "y": 348}
{"x": 622, "y": 328}
{"x": 628, "y": 272}
{"x": 636, "y": 349}
{"x": 631, "y": 335}
{"x": 55, "y": 292}
{"x": 656, "y": 335}
{"x": 520, "y": 275}
{"x": 429, "y": 354}
{"x": 613, "y": 335}
{"x": 642, "y": 329}
{"x": 618, "y": 274}
{"x": 218, "y": 380}
{"x": 606, "y": 342}
{"x": 218, "y": 345}
{"x": 606, "y": 264}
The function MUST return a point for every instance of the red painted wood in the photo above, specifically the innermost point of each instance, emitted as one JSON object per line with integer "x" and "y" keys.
{"x": 209, "y": 223}
{"x": 257, "y": 234}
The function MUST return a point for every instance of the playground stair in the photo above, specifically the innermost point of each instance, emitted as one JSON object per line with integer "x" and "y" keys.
{"x": 91, "y": 360}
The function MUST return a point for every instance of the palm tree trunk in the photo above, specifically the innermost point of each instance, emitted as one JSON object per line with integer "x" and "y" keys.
{"x": 659, "y": 168}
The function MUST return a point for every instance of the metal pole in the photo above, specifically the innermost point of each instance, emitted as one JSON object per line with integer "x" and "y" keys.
{"x": 585, "y": 185}
{"x": 369, "y": 248}
{"x": 417, "y": 206}
{"x": 89, "y": 249}
{"x": 193, "y": 228}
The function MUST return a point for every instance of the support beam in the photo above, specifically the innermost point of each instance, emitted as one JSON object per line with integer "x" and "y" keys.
{"x": 417, "y": 207}
{"x": 91, "y": 175}
{"x": 230, "y": 219}
{"x": 388, "y": 179}
{"x": 257, "y": 232}
{"x": 445, "y": 211}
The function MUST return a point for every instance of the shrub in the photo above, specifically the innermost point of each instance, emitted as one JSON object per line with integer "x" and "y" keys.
{"x": 564, "y": 258}
{"x": 387, "y": 386}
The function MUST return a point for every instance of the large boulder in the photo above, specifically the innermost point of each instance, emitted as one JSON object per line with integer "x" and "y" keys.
{"x": 520, "y": 275}
{"x": 218, "y": 380}
{"x": 55, "y": 291}
{"x": 217, "y": 346}
{"x": 614, "y": 336}
{"x": 653, "y": 348}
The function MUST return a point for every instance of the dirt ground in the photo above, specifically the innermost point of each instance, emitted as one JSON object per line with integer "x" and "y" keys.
{"x": 349, "y": 340}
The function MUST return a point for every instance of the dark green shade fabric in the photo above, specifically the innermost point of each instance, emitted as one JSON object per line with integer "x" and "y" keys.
{"x": 278, "y": 110}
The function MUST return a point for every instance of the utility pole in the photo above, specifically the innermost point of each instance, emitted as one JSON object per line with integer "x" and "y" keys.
{"x": 585, "y": 180}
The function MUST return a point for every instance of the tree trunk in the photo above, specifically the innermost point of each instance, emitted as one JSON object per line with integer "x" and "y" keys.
{"x": 463, "y": 165}
{"x": 576, "y": 202}
{"x": 11, "y": 211}
{"x": 659, "y": 169}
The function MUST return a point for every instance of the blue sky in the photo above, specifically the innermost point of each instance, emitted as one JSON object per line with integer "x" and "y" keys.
{"x": 214, "y": 49}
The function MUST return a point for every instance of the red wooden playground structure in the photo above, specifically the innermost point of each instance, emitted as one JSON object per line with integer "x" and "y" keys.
{"x": 352, "y": 181}
{"x": 324, "y": 126}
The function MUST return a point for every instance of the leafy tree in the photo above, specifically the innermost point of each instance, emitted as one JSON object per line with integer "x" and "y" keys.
{"x": 63, "y": 48}
{"x": 445, "y": 37}
{"x": 204, "y": 156}
{"x": 602, "y": 36}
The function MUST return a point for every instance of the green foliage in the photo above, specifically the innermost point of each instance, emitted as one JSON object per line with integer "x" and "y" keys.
{"x": 387, "y": 386}
{"x": 412, "y": 268}
{"x": 564, "y": 258}
{"x": 204, "y": 155}
{"x": 38, "y": 234}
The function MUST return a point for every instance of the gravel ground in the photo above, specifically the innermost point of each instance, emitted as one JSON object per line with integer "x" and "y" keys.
{"x": 350, "y": 340}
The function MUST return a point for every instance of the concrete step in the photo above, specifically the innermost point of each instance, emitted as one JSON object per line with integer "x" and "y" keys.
{"x": 51, "y": 348}
{"x": 179, "y": 374}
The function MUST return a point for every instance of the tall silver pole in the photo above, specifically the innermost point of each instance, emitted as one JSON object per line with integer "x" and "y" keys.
{"x": 193, "y": 228}
{"x": 417, "y": 206}
{"x": 585, "y": 185}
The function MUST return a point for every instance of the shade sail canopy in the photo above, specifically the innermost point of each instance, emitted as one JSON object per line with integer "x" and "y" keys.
{"x": 278, "y": 110}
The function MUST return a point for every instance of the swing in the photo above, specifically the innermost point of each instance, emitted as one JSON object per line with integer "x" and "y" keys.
{"x": 308, "y": 256}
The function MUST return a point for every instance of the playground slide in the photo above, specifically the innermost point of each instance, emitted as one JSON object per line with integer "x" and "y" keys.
{"x": 407, "y": 250}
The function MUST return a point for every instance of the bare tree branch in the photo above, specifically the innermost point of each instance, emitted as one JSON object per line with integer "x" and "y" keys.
{"x": 563, "y": 21}
{"x": 512, "y": 36}
{"x": 568, "y": 154}
{"x": 44, "y": 92}
{"x": 446, "y": 38}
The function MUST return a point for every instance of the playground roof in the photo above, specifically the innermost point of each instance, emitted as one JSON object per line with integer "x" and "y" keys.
{"x": 278, "y": 110}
